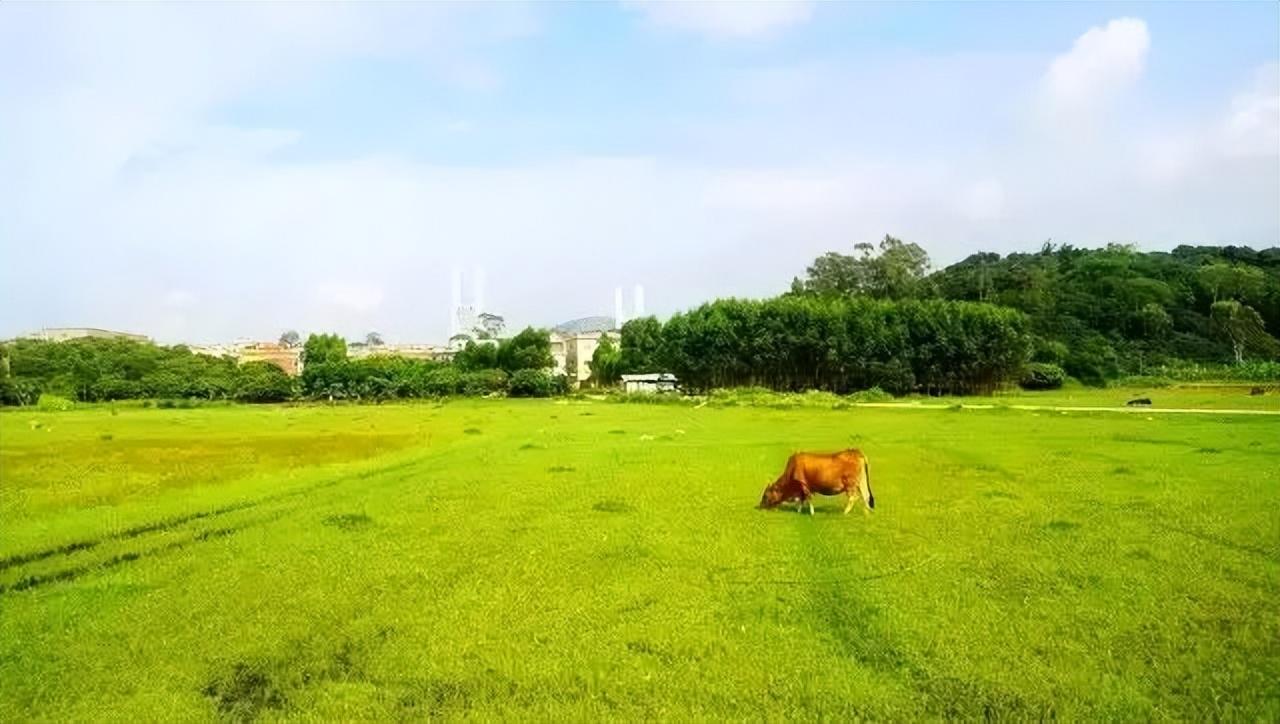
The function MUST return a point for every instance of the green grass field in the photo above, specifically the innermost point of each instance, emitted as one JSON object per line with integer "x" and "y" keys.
{"x": 546, "y": 560}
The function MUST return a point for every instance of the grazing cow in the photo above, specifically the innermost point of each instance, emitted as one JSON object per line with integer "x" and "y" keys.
{"x": 809, "y": 473}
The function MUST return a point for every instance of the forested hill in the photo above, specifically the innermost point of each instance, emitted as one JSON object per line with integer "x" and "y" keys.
{"x": 1097, "y": 312}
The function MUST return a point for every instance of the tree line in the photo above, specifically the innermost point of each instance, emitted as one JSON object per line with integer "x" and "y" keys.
{"x": 1097, "y": 313}
{"x": 837, "y": 344}
{"x": 875, "y": 318}
{"x": 97, "y": 370}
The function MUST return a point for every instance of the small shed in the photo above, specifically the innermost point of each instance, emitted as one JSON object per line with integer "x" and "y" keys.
{"x": 650, "y": 383}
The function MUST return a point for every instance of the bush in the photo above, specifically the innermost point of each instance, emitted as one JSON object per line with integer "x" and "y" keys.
{"x": 875, "y": 394}
{"x": 54, "y": 402}
{"x": 260, "y": 382}
{"x": 560, "y": 385}
{"x": 484, "y": 382}
{"x": 530, "y": 383}
{"x": 18, "y": 392}
{"x": 1042, "y": 376}
{"x": 439, "y": 382}
{"x": 1048, "y": 350}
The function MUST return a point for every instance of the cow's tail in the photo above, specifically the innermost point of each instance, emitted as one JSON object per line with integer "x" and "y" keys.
{"x": 866, "y": 478}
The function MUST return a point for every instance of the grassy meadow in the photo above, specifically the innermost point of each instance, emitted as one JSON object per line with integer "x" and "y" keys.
{"x": 584, "y": 560}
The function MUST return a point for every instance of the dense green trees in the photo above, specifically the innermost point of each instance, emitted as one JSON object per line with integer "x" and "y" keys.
{"x": 92, "y": 370}
{"x": 845, "y": 344}
{"x": 1097, "y": 313}
{"x": 641, "y": 346}
{"x": 528, "y": 350}
{"x": 109, "y": 369}
{"x": 1117, "y": 310}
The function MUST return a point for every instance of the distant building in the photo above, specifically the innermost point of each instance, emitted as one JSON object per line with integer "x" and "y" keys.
{"x": 572, "y": 352}
{"x": 288, "y": 359}
{"x": 574, "y": 342}
{"x": 410, "y": 351}
{"x": 650, "y": 383}
{"x": 62, "y": 334}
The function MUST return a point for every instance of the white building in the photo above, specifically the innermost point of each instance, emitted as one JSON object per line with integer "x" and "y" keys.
{"x": 651, "y": 383}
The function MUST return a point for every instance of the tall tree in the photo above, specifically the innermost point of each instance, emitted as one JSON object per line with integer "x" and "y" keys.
{"x": 373, "y": 339}
{"x": 641, "y": 346}
{"x": 290, "y": 338}
{"x": 1242, "y": 326}
{"x": 606, "y": 363}
{"x": 490, "y": 326}
{"x": 528, "y": 350}
{"x": 894, "y": 271}
{"x": 324, "y": 349}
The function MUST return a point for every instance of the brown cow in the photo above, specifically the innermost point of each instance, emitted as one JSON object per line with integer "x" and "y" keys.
{"x": 808, "y": 473}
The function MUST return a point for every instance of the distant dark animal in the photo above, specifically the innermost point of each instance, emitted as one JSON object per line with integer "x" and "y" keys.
{"x": 1139, "y": 401}
{"x": 1257, "y": 391}
{"x": 808, "y": 474}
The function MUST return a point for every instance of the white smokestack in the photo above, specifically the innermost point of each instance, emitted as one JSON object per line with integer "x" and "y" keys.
{"x": 617, "y": 308}
{"x": 456, "y": 305}
{"x": 637, "y": 302}
{"x": 479, "y": 290}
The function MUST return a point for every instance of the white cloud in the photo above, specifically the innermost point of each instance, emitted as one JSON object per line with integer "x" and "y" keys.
{"x": 725, "y": 18}
{"x": 1252, "y": 128}
{"x": 123, "y": 190}
{"x": 1246, "y": 131}
{"x": 1101, "y": 64}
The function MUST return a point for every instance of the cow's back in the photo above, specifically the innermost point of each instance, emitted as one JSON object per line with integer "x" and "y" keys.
{"x": 829, "y": 474}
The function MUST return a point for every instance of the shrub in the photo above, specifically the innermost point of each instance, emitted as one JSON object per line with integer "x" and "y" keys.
{"x": 1042, "y": 376}
{"x": 1048, "y": 350}
{"x": 484, "y": 382}
{"x": 440, "y": 382}
{"x": 259, "y": 382}
{"x": 875, "y": 394}
{"x": 54, "y": 402}
{"x": 18, "y": 392}
{"x": 530, "y": 383}
{"x": 560, "y": 385}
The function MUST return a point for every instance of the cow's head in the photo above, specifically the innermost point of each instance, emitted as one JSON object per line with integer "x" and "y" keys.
{"x": 772, "y": 497}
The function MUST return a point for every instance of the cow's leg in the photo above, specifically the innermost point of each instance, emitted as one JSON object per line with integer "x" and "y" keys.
{"x": 848, "y": 505}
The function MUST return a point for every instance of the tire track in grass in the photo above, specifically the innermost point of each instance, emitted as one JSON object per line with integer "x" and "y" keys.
{"x": 70, "y": 574}
{"x": 170, "y": 523}
{"x": 857, "y": 628}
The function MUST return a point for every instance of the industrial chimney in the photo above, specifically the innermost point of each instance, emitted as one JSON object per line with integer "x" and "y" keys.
{"x": 456, "y": 304}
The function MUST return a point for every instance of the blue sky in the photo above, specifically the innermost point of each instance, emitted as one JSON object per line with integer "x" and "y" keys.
{"x": 204, "y": 172}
